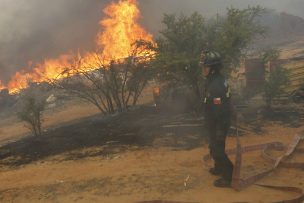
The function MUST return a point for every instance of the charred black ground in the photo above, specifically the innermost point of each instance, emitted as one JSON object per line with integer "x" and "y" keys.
{"x": 143, "y": 127}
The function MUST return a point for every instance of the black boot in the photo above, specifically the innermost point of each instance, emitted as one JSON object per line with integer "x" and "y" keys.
{"x": 223, "y": 183}
{"x": 215, "y": 171}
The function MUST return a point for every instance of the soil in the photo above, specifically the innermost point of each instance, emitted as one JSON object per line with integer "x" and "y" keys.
{"x": 140, "y": 155}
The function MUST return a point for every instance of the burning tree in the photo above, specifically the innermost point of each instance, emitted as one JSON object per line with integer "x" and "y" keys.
{"x": 110, "y": 86}
{"x": 111, "y": 78}
{"x": 120, "y": 29}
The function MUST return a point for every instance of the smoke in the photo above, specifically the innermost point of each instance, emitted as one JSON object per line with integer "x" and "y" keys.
{"x": 32, "y": 30}
{"x": 153, "y": 9}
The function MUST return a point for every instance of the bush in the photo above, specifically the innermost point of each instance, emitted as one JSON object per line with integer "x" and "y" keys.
{"x": 32, "y": 103}
{"x": 276, "y": 76}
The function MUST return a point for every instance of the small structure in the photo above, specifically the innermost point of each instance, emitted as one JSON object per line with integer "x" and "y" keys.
{"x": 254, "y": 73}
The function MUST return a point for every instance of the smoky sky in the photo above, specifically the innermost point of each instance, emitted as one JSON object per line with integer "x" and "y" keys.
{"x": 32, "y": 30}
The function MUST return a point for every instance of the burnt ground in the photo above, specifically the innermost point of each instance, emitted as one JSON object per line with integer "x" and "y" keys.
{"x": 255, "y": 120}
{"x": 138, "y": 128}
{"x": 143, "y": 127}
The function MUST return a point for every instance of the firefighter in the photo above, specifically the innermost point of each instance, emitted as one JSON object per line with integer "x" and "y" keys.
{"x": 217, "y": 116}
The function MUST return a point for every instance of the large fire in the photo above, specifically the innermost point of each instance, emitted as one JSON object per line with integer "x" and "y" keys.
{"x": 120, "y": 31}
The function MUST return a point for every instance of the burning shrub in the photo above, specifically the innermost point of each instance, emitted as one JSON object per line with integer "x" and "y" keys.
{"x": 112, "y": 86}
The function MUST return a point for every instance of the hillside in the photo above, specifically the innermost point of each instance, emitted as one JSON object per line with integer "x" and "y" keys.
{"x": 281, "y": 28}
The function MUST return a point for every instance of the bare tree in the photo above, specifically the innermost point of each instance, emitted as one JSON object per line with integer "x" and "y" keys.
{"x": 32, "y": 103}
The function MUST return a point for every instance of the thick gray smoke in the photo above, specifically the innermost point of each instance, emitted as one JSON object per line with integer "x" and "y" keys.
{"x": 153, "y": 9}
{"x": 31, "y": 30}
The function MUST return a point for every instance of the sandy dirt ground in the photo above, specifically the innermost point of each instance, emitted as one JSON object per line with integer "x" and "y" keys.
{"x": 137, "y": 156}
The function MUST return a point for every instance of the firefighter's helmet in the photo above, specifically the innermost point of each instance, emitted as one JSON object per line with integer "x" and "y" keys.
{"x": 211, "y": 58}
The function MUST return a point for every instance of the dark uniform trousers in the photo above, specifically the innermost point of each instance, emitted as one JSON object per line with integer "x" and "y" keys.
{"x": 218, "y": 124}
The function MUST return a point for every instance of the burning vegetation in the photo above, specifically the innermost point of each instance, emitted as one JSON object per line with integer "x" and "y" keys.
{"x": 120, "y": 31}
{"x": 126, "y": 64}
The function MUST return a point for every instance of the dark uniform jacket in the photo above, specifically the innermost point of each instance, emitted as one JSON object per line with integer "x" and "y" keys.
{"x": 217, "y": 101}
{"x": 217, "y": 106}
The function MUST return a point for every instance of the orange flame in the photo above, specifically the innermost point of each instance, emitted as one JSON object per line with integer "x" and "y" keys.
{"x": 48, "y": 70}
{"x": 121, "y": 30}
